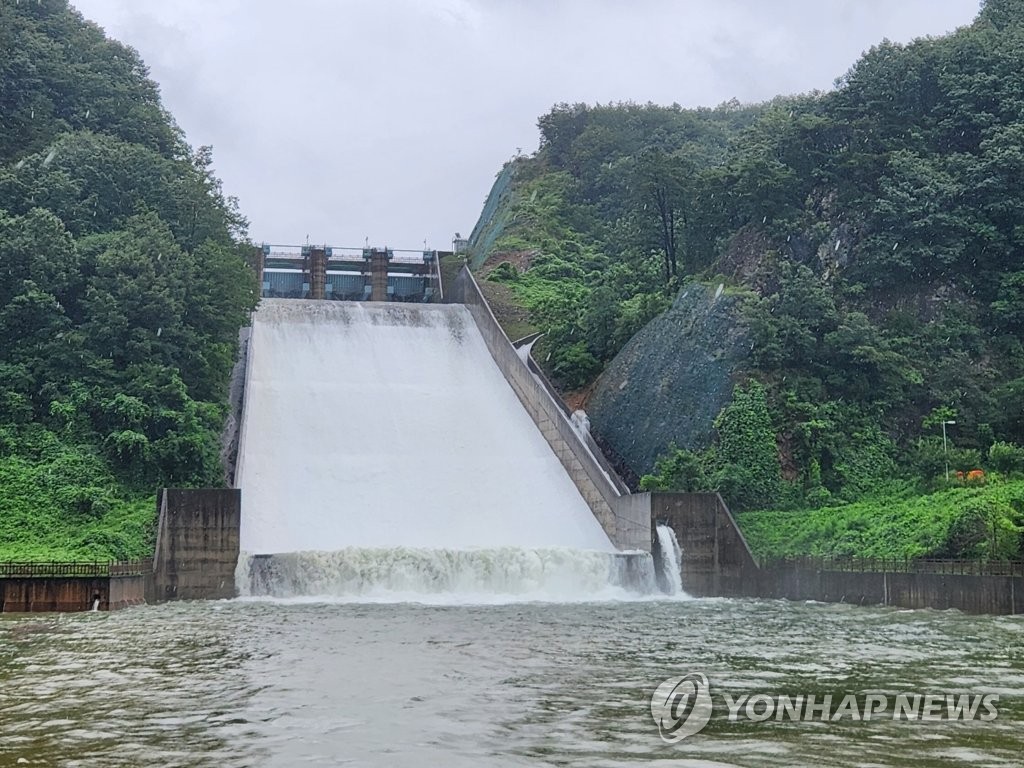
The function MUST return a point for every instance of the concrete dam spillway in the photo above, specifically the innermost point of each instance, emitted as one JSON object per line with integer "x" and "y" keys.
{"x": 384, "y": 455}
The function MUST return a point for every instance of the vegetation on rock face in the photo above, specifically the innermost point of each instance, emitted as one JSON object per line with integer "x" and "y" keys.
{"x": 593, "y": 234}
{"x": 875, "y": 228}
{"x": 644, "y": 399}
{"x": 123, "y": 288}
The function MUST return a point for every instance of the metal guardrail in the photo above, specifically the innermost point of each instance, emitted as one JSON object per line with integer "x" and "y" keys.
{"x": 902, "y": 565}
{"x": 286, "y": 248}
{"x": 26, "y": 570}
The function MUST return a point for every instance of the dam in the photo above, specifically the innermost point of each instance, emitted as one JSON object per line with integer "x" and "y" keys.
{"x": 427, "y": 540}
{"x": 384, "y": 454}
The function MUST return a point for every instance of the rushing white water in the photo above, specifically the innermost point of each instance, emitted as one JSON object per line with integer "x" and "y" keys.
{"x": 447, "y": 575}
{"x": 374, "y": 430}
{"x": 671, "y": 559}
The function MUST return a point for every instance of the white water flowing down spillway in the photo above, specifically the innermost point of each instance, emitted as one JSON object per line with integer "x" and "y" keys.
{"x": 383, "y": 454}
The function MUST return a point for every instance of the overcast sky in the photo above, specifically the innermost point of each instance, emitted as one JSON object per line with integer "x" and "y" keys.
{"x": 388, "y": 119}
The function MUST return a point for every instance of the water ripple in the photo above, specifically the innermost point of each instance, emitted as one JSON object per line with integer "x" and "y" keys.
{"x": 282, "y": 684}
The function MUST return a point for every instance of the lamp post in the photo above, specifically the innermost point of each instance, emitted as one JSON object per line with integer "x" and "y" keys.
{"x": 945, "y": 450}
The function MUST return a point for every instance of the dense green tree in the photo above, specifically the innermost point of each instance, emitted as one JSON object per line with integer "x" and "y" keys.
{"x": 876, "y": 229}
{"x": 59, "y": 74}
{"x": 122, "y": 288}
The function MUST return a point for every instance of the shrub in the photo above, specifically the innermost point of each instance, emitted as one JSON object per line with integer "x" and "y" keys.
{"x": 504, "y": 273}
{"x": 1006, "y": 457}
{"x": 749, "y": 455}
{"x": 678, "y": 470}
{"x": 574, "y": 366}
{"x": 959, "y": 522}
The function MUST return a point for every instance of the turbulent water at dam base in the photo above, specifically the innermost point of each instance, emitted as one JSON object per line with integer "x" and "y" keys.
{"x": 423, "y": 586}
{"x": 266, "y": 682}
{"x": 384, "y": 456}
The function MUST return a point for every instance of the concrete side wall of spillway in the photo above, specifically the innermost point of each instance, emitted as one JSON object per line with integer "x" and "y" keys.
{"x": 626, "y": 521}
{"x": 716, "y": 559}
{"x": 197, "y": 543}
{"x": 236, "y": 402}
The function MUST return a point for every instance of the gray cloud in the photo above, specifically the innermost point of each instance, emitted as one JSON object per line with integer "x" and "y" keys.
{"x": 388, "y": 119}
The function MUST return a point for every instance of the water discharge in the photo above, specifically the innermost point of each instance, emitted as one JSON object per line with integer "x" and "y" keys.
{"x": 671, "y": 559}
{"x": 446, "y": 576}
{"x": 382, "y": 448}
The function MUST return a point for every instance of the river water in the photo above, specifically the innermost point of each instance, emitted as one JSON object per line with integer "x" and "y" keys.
{"x": 292, "y": 683}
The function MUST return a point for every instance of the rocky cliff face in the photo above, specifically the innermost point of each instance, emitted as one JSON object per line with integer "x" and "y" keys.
{"x": 671, "y": 380}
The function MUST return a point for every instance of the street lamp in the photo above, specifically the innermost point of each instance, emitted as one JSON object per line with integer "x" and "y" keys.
{"x": 945, "y": 450}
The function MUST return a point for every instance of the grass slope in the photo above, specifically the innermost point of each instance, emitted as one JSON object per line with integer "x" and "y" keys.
{"x": 966, "y": 522}
{"x": 68, "y": 508}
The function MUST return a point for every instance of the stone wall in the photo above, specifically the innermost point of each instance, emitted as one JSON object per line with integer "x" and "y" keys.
{"x": 628, "y": 526}
{"x": 197, "y": 543}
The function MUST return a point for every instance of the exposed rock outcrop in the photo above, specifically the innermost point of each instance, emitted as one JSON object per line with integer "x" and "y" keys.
{"x": 671, "y": 380}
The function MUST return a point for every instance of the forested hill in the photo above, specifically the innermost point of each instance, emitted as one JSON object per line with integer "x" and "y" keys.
{"x": 852, "y": 260}
{"x": 122, "y": 289}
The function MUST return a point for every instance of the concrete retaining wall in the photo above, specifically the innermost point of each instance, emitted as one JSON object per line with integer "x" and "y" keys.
{"x": 64, "y": 594}
{"x": 970, "y": 593}
{"x": 718, "y": 563}
{"x": 716, "y": 559}
{"x": 196, "y": 555}
{"x": 126, "y": 591}
{"x": 229, "y": 440}
{"x": 627, "y": 525}
{"x": 197, "y": 543}
{"x": 53, "y": 594}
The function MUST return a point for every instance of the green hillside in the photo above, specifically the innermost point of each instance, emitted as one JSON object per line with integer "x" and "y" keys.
{"x": 123, "y": 287}
{"x": 869, "y": 243}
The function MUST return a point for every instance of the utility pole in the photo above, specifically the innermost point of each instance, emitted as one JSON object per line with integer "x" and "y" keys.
{"x": 945, "y": 450}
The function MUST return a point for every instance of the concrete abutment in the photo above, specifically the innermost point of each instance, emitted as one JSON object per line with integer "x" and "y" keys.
{"x": 197, "y": 544}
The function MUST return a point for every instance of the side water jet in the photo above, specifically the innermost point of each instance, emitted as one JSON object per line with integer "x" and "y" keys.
{"x": 383, "y": 454}
{"x": 670, "y": 575}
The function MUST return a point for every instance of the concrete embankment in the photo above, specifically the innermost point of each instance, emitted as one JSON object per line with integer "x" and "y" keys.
{"x": 717, "y": 562}
{"x": 66, "y": 587}
{"x": 197, "y": 543}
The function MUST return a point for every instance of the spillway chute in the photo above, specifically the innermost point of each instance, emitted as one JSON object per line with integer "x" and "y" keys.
{"x": 383, "y": 451}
